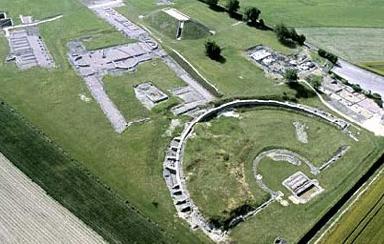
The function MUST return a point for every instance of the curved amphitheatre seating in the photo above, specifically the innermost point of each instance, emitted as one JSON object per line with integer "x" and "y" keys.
{"x": 173, "y": 171}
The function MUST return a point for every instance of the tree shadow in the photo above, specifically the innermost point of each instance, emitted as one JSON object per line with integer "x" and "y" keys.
{"x": 217, "y": 8}
{"x": 235, "y": 15}
{"x": 301, "y": 90}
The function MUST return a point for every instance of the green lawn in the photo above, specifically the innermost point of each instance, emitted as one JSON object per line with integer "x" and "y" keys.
{"x": 105, "y": 39}
{"x": 357, "y": 45}
{"x": 377, "y": 67}
{"x": 237, "y": 72}
{"x": 121, "y": 88}
{"x": 71, "y": 185}
{"x": 130, "y": 164}
{"x": 364, "y": 220}
{"x": 275, "y": 172}
{"x": 218, "y": 166}
{"x": 325, "y": 13}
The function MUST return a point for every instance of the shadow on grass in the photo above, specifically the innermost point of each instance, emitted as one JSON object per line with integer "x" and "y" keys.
{"x": 301, "y": 90}
{"x": 217, "y": 8}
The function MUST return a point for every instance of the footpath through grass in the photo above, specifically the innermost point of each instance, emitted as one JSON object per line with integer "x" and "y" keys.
{"x": 71, "y": 185}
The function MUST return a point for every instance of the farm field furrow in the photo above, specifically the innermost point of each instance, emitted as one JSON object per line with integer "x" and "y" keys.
{"x": 357, "y": 45}
{"x": 325, "y": 13}
{"x": 29, "y": 215}
{"x": 363, "y": 222}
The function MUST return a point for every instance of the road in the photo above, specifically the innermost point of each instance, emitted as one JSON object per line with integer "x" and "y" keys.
{"x": 367, "y": 80}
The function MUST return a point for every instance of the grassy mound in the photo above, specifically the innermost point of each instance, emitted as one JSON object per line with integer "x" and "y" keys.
{"x": 163, "y": 23}
{"x": 167, "y": 25}
{"x": 194, "y": 30}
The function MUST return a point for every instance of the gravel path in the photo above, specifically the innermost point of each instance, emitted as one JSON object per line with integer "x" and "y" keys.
{"x": 29, "y": 215}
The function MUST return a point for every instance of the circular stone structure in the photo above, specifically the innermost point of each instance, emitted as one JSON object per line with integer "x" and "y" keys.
{"x": 173, "y": 171}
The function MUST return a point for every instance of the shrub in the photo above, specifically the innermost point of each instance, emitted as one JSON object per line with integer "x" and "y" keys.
{"x": 289, "y": 36}
{"x": 212, "y": 50}
{"x": 212, "y": 2}
{"x": 291, "y": 75}
{"x": 233, "y": 6}
{"x": 331, "y": 57}
{"x": 251, "y": 15}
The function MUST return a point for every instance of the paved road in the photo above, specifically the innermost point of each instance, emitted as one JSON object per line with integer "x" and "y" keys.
{"x": 356, "y": 75}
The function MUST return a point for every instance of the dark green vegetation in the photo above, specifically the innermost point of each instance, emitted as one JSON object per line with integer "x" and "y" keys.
{"x": 218, "y": 166}
{"x": 291, "y": 75}
{"x": 251, "y": 14}
{"x": 212, "y": 50}
{"x": 70, "y": 184}
{"x": 330, "y": 56}
{"x": 288, "y": 36}
{"x": 363, "y": 221}
{"x": 232, "y": 6}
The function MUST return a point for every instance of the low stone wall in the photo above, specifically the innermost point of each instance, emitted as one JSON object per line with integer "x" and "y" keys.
{"x": 173, "y": 171}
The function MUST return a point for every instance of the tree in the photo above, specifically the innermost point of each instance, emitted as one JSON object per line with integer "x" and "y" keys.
{"x": 251, "y": 14}
{"x": 291, "y": 75}
{"x": 233, "y": 6}
{"x": 289, "y": 36}
{"x": 212, "y": 50}
{"x": 301, "y": 39}
{"x": 212, "y": 2}
{"x": 331, "y": 57}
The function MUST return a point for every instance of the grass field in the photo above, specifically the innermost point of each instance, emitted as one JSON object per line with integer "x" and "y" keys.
{"x": 236, "y": 72}
{"x": 70, "y": 184}
{"x": 325, "y": 13}
{"x": 218, "y": 165}
{"x": 275, "y": 172}
{"x": 105, "y": 39}
{"x": 364, "y": 220}
{"x": 357, "y": 45}
{"x": 168, "y": 25}
{"x": 377, "y": 67}
{"x": 121, "y": 88}
{"x": 130, "y": 164}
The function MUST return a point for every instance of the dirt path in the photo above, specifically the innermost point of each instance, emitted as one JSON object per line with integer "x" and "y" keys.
{"x": 29, "y": 215}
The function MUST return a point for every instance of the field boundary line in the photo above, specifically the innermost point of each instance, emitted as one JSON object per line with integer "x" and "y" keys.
{"x": 356, "y": 196}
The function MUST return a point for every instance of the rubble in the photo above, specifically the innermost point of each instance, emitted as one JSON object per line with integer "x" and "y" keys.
{"x": 27, "y": 49}
{"x": 276, "y": 64}
{"x": 353, "y": 104}
{"x": 149, "y": 95}
{"x": 303, "y": 189}
{"x": 173, "y": 169}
